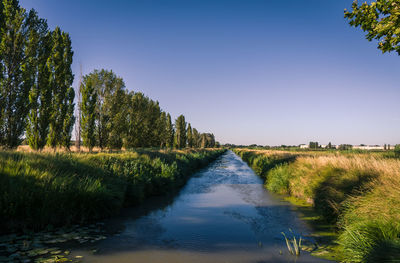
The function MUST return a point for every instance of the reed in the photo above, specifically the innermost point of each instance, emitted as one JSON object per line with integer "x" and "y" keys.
{"x": 293, "y": 245}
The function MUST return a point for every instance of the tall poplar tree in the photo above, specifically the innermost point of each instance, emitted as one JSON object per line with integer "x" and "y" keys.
{"x": 196, "y": 138}
{"x": 162, "y": 129}
{"x": 88, "y": 113}
{"x": 170, "y": 132}
{"x": 54, "y": 65}
{"x": 68, "y": 104}
{"x": 189, "y": 136}
{"x": 135, "y": 118}
{"x": 61, "y": 78}
{"x": 180, "y": 132}
{"x": 14, "y": 95}
{"x": 110, "y": 108}
{"x": 36, "y": 76}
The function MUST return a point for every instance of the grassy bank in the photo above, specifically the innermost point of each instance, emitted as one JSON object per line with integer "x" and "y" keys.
{"x": 358, "y": 193}
{"x": 37, "y": 190}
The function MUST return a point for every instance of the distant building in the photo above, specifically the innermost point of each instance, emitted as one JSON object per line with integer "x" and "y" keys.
{"x": 368, "y": 147}
{"x": 303, "y": 146}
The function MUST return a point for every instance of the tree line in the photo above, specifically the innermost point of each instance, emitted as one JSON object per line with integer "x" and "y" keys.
{"x": 113, "y": 117}
{"x": 36, "y": 94}
{"x": 37, "y": 98}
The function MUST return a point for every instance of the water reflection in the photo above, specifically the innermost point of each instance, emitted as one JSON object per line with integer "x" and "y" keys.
{"x": 223, "y": 214}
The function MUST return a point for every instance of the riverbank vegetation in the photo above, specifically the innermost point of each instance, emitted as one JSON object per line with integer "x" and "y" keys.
{"x": 358, "y": 193}
{"x": 61, "y": 189}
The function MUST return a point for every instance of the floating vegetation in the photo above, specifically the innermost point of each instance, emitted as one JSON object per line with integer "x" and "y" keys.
{"x": 44, "y": 247}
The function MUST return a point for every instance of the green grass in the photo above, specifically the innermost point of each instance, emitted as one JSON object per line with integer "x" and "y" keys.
{"x": 37, "y": 190}
{"x": 352, "y": 199}
{"x": 371, "y": 241}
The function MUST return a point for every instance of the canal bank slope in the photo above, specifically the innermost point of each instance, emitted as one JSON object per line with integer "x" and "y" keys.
{"x": 357, "y": 194}
{"x": 38, "y": 190}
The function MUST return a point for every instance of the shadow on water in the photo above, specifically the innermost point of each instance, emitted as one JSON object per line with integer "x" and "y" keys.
{"x": 223, "y": 214}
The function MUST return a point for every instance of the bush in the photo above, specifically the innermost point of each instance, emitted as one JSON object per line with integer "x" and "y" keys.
{"x": 397, "y": 150}
{"x": 279, "y": 179}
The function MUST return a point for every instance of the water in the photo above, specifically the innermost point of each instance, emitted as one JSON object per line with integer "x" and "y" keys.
{"x": 223, "y": 214}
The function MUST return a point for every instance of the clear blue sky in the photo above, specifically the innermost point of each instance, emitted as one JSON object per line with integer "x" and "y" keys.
{"x": 266, "y": 72}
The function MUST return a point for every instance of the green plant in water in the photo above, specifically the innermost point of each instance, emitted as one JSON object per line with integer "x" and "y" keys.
{"x": 293, "y": 246}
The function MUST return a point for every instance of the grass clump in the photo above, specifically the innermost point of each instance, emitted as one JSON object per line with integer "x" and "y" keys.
{"x": 293, "y": 245}
{"x": 371, "y": 241}
{"x": 60, "y": 189}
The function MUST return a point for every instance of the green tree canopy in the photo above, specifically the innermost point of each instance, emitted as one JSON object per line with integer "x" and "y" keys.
{"x": 88, "y": 113}
{"x": 36, "y": 78}
{"x": 381, "y": 21}
{"x": 207, "y": 140}
{"x": 180, "y": 132}
{"x": 189, "y": 136}
{"x": 61, "y": 78}
{"x": 196, "y": 138}
{"x": 170, "y": 132}
{"x": 14, "y": 95}
{"x": 110, "y": 105}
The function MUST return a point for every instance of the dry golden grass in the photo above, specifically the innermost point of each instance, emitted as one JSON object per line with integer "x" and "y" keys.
{"x": 359, "y": 192}
{"x": 378, "y": 197}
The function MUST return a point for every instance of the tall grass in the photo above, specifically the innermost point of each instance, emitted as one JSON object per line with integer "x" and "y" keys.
{"x": 58, "y": 189}
{"x": 359, "y": 192}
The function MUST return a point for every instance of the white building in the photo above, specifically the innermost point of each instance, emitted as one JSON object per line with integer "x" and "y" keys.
{"x": 368, "y": 147}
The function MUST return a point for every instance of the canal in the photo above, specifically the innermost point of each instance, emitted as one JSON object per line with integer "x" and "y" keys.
{"x": 223, "y": 214}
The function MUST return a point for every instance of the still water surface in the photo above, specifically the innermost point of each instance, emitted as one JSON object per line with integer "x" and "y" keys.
{"x": 223, "y": 214}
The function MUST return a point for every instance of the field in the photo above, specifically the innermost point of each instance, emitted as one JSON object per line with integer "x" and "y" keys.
{"x": 58, "y": 189}
{"x": 356, "y": 192}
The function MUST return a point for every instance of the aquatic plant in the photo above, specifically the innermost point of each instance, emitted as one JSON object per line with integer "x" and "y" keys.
{"x": 293, "y": 245}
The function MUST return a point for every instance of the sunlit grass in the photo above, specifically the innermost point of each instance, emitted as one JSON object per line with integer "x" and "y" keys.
{"x": 37, "y": 189}
{"x": 359, "y": 192}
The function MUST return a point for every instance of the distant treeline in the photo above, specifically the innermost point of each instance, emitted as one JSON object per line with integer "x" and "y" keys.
{"x": 112, "y": 117}
{"x": 37, "y": 98}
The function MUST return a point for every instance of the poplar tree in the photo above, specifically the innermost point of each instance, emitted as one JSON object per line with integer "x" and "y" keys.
{"x": 207, "y": 140}
{"x": 162, "y": 127}
{"x": 180, "y": 136}
{"x": 61, "y": 78}
{"x": 54, "y": 65}
{"x": 189, "y": 136}
{"x": 68, "y": 103}
{"x": 152, "y": 115}
{"x": 88, "y": 113}
{"x": 37, "y": 78}
{"x": 170, "y": 132}
{"x": 14, "y": 95}
{"x": 134, "y": 127}
{"x": 115, "y": 105}
{"x": 110, "y": 114}
{"x": 196, "y": 138}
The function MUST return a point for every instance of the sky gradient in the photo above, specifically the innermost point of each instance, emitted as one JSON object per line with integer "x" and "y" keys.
{"x": 266, "y": 72}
